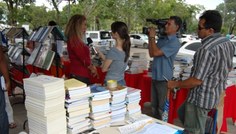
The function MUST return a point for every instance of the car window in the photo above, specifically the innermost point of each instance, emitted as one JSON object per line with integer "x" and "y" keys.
{"x": 194, "y": 46}
{"x": 105, "y": 35}
{"x": 133, "y": 36}
{"x": 138, "y": 37}
{"x": 93, "y": 35}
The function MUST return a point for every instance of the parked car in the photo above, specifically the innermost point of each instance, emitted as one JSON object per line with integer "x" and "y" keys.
{"x": 234, "y": 41}
{"x": 189, "y": 49}
{"x": 186, "y": 38}
{"x": 101, "y": 38}
{"x": 139, "y": 40}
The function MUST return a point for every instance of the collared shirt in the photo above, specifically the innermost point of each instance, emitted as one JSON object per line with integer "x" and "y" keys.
{"x": 163, "y": 65}
{"x": 211, "y": 64}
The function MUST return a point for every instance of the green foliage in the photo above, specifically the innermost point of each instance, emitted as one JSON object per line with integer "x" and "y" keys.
{"x": 101, "y": 13}
{"x": 228, "y": 11}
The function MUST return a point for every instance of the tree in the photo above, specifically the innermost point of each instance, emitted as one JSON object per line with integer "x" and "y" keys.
{"x": 34, "y": 16}
{"x": 228, "y": 12}
{"x": 55, "y": 4}
{"x": 3, "y": 11}
{"x": 12, "y": 6}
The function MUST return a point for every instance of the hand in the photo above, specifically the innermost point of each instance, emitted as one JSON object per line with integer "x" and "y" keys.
{"x": 171, "y": 85}
{"x": 62, "y": 60}
{"x": 152, "y": 32}
{"x": 93, "y": 71}
{"x": 8, "y": 86}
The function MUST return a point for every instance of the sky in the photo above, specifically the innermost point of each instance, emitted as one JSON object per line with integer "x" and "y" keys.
{"x": 208, "y": 4}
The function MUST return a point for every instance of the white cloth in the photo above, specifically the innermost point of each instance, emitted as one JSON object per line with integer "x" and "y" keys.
{"x": 8, "y": 108}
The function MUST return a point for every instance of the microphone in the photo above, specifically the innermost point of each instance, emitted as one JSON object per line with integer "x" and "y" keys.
{"x": 90, "y": 44}
{"x": 89, "y": 41}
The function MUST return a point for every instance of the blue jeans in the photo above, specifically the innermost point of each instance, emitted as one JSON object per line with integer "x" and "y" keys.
{"x": 4, "y": 124}
{"x": 120, "y": 82}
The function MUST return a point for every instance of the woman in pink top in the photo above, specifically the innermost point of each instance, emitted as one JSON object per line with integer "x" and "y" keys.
{"x": 79, "y": 54}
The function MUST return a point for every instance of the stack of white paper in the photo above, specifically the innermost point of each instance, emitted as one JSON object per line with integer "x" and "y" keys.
{"x": 133, "y": 98}
{"x": 231, "y": 78}
{"x": 118, "y": 104}
{"x": 100, "y": 107}
{"x": 138, "y": 63}
{"x": 77, "y": 106}
{"x": 45, "y": 96}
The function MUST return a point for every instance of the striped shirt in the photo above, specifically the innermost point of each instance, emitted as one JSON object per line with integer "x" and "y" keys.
{"x": 212, "y": 63}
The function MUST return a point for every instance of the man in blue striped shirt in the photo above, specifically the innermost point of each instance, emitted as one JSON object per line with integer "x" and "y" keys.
{"x": 211, "y": 65}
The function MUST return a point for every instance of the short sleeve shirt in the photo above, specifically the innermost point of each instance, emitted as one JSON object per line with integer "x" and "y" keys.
{"x": 211, "y": 64}
{"x": 163, "y": 65}
{"x": 118, "y": 66}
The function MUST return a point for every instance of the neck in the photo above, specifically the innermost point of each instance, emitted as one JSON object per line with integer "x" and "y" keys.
{"x": 119, "y": 44}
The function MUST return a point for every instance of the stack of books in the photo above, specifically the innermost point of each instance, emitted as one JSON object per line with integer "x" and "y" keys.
{"x": 77, "y": 106}
{"x": 186, "y": 73}
{"x": 138, "y": 63}
{"x": 100, "y": 107}
{"x": 132, "y": 99}
{"x": 231, "y": 80}
{"x": 118, "y": 104}
{"x": 45, "y": 99}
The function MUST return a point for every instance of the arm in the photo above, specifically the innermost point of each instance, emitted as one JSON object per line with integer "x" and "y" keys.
{"x": 100, "y": 54}
{"x": 199, "y": 71}
{"x": 188, "y": 83}
{"x": 4, "y": 69}
{"x": 106, "y": 64}
{"x": 81, "y": 52}
{"x": 153, "y": 49}
{"x": 106, "y": 61}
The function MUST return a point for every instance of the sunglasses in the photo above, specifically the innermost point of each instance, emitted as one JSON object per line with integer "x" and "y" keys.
{"x": 200, "y": 28}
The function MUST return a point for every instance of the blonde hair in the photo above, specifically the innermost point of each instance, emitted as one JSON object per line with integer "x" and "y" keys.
{"x": 74, "y": 26}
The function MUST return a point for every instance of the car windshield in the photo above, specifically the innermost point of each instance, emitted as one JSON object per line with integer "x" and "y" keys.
{"x": 105, "y": 35}
{"x": 145, "y": 37}
{"x": 194, "y": 46}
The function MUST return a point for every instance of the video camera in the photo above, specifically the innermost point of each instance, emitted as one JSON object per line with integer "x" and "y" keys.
{"x": 160, "y": 26}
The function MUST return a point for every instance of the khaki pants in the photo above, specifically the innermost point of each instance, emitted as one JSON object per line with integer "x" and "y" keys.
{"x": 193, "y": 117}
{"x": 220, "y": 109}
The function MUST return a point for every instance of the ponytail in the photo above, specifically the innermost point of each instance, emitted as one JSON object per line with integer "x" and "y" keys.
{"x": 122, "y": 29}
{"x": 126, "y": 47}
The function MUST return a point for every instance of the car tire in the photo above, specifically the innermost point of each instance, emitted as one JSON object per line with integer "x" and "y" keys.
{"x": 145, "y": 45}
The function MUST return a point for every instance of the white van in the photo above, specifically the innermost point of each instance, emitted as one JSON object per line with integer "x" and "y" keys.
{"x": 101, "y": 38}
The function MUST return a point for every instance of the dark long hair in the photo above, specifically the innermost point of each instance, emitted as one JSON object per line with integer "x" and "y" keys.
{"x": 122, "y": 29}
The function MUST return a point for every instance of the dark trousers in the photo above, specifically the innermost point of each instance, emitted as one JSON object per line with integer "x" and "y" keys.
{"x": 4, "y": 124}
{"x": 158, "y": 97}
{"x": 80, "y": 78}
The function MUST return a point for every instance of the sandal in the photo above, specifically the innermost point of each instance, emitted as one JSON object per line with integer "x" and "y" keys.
{"x": 12, "y": 125}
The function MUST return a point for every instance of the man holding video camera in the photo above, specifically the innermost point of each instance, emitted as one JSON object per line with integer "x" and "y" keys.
{"x": 163, "y": 53}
